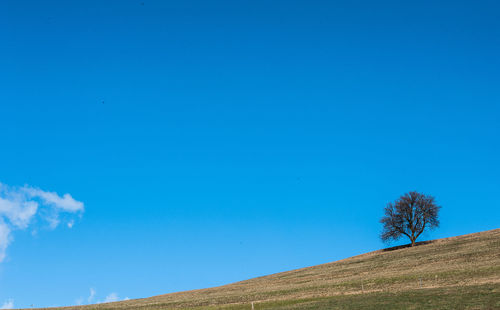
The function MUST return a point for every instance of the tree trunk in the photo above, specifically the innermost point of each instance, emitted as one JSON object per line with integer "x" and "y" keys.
{"x": 412, "y": 242}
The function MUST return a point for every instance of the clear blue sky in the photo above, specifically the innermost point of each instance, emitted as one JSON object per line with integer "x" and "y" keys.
{"x": 215, "y": 141}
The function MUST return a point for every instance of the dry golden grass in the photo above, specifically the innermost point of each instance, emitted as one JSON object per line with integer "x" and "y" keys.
{"x": 452, "y": 267}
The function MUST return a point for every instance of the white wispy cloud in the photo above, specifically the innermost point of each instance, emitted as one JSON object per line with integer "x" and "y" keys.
{"x": 65, "y": 203}
{"x": 111, "y": 297}
{"x": 91, "y": 295}
{"x": 4, "y": 239}
{"x": 21, "y": 206}
{"x": 9, "y": 304}
{"x": 79, "y": 301}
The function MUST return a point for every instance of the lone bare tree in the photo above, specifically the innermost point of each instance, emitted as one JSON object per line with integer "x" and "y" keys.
{"x": 410, "y": 215}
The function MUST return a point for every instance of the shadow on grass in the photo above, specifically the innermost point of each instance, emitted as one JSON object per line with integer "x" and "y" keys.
{"x": 399, "y": 247}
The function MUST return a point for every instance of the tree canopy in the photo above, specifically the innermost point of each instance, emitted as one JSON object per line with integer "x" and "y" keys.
{"x": 409, "y": 216}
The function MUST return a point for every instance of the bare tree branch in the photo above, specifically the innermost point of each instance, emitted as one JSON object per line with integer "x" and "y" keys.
{"x": 410, "y": 215}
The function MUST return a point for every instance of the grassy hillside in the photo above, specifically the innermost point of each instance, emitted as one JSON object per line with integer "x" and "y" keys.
{"x": 454, "y": 273}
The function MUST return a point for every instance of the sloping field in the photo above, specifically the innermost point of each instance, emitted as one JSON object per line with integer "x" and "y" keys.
{"x": 454, "y": 273}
